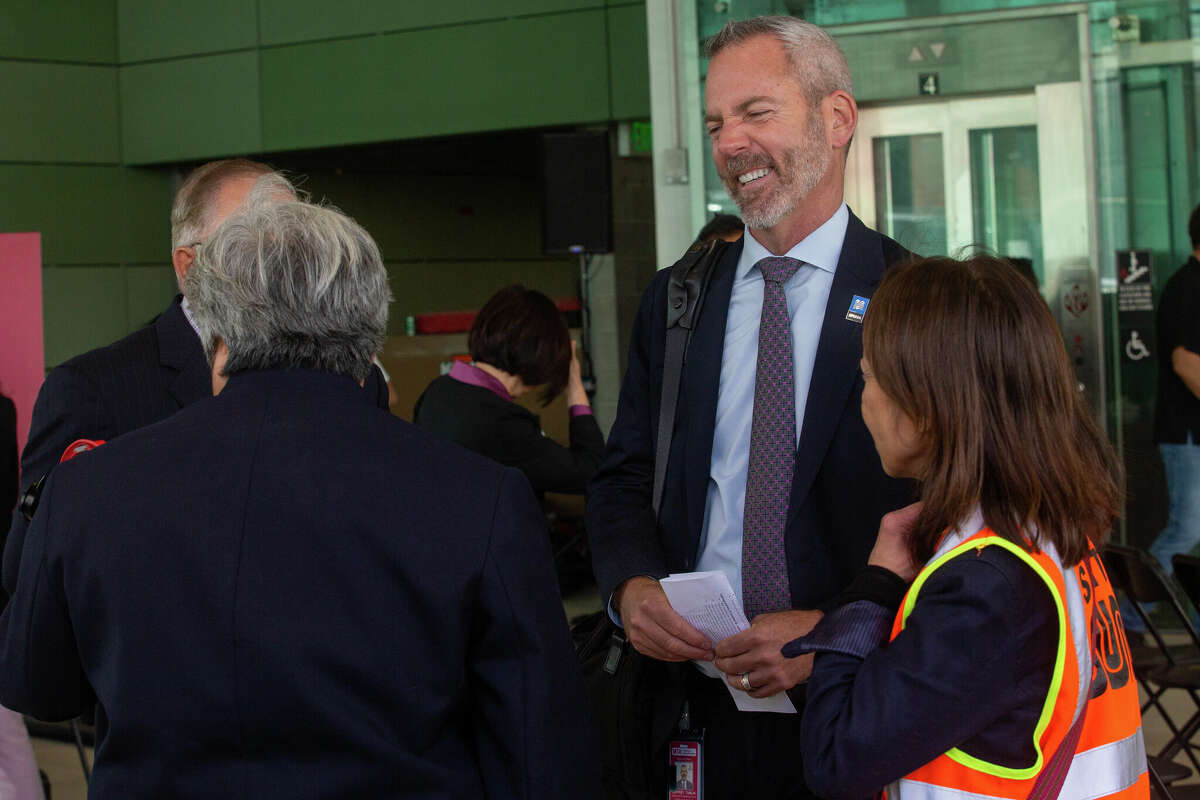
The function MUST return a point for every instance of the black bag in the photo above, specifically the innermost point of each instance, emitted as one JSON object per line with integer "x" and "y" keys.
{"x": 636, "y": 700}
{"x": 635, "y": 703}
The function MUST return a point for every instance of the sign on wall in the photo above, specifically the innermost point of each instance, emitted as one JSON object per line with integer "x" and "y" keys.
{"x": 1135, "y": 305}
{"x": 22, "y": 358}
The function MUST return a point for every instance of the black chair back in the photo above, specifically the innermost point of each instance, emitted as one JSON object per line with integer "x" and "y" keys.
{"x": 1187, "y": 575}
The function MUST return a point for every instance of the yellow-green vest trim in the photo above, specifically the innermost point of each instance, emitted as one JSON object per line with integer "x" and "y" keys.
{"x": 1056, "y": 678}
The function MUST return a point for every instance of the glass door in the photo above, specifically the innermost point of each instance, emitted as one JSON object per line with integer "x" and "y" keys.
{"x": 1010, "y": 173}
{"x": 940, "y": 176}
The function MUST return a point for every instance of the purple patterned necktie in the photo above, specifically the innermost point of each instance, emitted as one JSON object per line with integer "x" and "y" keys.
{"x": 772, "y": 450}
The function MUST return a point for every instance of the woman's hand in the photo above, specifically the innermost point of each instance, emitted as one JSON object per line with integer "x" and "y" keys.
{"x": 891, "y": 549}
{"x": 576, "y": 396}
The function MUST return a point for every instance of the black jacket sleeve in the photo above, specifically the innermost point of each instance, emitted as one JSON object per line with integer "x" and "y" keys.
{"x": 68, "y": 407}
{"x": 532, "y": 730}
{"x": 622, "y": 529}
{"x": 549, "y": 466}
{"x": 41, "y": 670}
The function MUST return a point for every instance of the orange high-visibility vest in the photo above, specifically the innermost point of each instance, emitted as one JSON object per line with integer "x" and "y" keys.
{"x": 1092, "y": 666}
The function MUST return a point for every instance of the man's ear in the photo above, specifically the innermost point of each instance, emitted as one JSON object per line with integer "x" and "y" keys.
{"x": 181, "y": 259}
{"x": 841, "y": 118}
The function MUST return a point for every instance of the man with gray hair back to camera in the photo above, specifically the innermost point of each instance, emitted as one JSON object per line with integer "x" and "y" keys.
{"x": 284, "y": 591}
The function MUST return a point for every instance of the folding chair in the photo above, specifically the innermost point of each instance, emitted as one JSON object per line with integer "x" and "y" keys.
{"x": 1187, "y": 575}
{"x": 1159, "y": 667}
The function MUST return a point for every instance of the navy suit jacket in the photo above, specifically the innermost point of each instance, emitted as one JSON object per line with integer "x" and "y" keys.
{"x": 101, "y": 394}
{"x": 104, "y": 393}
{"x": 8, "y": 454}
{"x": 839, "y": 490}
{"x": 285, "y": 592}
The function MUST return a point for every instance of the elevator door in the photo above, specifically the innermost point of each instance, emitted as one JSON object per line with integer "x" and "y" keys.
{"x": 1009, "y": 173}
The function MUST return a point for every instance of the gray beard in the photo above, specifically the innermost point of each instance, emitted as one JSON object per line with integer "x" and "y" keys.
{"x": 799, "y": 171}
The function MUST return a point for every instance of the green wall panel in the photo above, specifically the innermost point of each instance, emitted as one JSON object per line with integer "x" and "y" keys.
{"x": 442, "y": 216}
{"x": 194, "y": 108}
{"x": 82, "y": 308}
{"x": 59, "y": 30}
{"x": 288, "y": 21}
{"x": 529, "y": 72}
{"x": 75, "y": 208}
{"x": 1150, "y": 181}
{"x": 629, "y": 63}
{"x": 155, "y": 29}
{"x": 58, "y": 112}
{"x": 148, "y": 290}
{"x": 420, "y": 287}
{"x": 146, "y": 232}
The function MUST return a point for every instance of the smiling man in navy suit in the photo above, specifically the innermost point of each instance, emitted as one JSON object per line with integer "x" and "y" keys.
{"x": 772, "y": 477}
{"x": 283, "y": 591}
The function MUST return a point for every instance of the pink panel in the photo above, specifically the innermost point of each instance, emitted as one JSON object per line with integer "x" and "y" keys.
{"x": 22, "y": 358}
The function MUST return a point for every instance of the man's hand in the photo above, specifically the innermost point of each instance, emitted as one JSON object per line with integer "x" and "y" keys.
{"x": 756, "y": 652}
{"x": 655, "y": 629}
{"x": 891, "y": 546}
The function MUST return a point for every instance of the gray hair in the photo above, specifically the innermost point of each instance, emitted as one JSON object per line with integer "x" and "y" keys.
{"x": 286, "y": 283}
{"x": 818, "y": 62}
{"x": 190, "y": 213}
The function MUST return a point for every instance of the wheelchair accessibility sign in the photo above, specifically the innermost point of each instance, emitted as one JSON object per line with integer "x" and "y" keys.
{"x": 1134, "y": 346}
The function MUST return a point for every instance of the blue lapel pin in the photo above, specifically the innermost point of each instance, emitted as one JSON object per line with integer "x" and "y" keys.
{"x": 858, "y": 307}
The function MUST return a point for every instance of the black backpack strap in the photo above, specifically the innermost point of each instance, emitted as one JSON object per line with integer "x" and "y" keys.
{"x": 685, "y": 298}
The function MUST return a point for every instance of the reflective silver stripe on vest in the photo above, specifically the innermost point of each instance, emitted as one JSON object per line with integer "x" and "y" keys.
{"x": 1107, "y": 769}
{"x": 1098, "y": 772}
{"x": 1073, "y": 602}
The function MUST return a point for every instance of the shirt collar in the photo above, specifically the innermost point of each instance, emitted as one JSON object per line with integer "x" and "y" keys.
{"x": 473, "y": 375}
{"x": 187, "y": 313}
{"x": 822, "y": 248}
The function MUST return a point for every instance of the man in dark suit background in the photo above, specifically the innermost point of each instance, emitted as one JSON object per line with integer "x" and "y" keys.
{"x": 148, "y": 375}
{"x": 772, "y": 477}
{"x": 284, "y": 591}
{"x": 153, "y": 372}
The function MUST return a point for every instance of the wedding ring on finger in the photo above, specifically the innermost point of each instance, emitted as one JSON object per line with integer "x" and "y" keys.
{"x": 746, "y": 682}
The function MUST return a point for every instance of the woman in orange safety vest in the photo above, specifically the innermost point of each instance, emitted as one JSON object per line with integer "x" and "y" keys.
{"x": 999, "y": 668}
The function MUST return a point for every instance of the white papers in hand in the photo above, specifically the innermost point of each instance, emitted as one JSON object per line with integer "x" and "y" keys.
{"x": 707, "y": 602}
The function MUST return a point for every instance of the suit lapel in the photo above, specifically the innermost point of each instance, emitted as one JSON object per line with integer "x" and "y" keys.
{"x": 179, "y": 350}
{"x": 836, "y": 367}
{"x": 702, "y": 379}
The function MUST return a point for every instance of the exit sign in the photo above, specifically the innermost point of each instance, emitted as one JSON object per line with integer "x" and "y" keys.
{"x": 641, "y": 137}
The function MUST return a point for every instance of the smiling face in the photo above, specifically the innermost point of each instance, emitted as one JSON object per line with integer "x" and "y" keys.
{"x": 897, "y": 439}
{"x": 769, "y": 146}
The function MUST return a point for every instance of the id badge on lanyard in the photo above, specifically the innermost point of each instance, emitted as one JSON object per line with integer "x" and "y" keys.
{"x": 686, "y": 754}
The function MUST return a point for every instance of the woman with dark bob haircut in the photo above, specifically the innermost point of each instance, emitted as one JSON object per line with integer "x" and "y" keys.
{"x": 980, "y": 653}
{"x": 517, "y": 343}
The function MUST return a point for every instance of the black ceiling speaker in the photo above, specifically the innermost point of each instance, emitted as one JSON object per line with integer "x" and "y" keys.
{"x": 576, "y": 193}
